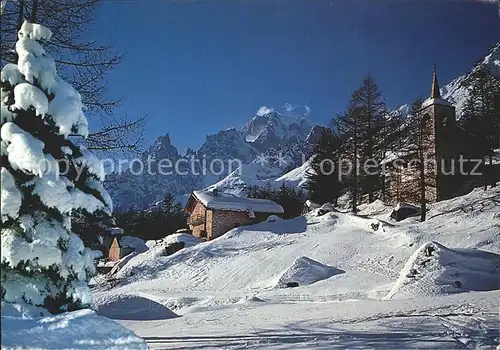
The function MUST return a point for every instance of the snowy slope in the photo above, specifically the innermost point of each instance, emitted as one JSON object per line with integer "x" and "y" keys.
{"x": 345, "y": 266}
{"x": 456, "y": 91}
{"x": 257, "y": 174}
{"x": 297, "y": 177}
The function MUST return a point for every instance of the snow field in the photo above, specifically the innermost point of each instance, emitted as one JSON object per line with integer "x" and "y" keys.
{"x": 230, "y": 292}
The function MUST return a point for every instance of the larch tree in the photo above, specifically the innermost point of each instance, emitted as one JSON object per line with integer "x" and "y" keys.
{"x": 364, "y": 129}
{"x": 46, "y": 179}
{"x": 373, "y": 123}
{"x": 416, "y": 136}
{"x": 389, "y": 143}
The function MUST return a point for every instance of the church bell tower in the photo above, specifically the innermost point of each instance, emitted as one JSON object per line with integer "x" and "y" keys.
{"x": 439, "y": 143}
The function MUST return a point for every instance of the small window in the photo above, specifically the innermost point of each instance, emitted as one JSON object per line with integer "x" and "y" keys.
{"x": 425, "y": 119}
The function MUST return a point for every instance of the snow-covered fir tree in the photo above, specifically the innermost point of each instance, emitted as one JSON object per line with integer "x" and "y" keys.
{"x": 46, "y": 179}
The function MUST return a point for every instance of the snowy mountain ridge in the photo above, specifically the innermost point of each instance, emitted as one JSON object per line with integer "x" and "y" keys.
{"x": 456, "y": 91}
{"x": 284, "y": 136}
{"x": 269, "y": 127}
{"x": 279, "y": 136}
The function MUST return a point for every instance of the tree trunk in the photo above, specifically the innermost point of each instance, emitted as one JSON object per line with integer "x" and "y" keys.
{"x": 33, "y": 11}
{"x": 355, "y": 187}
{"x": 20, "y": 18}
{"x": 493, "y": 181}
{"x": 423, "y": 206}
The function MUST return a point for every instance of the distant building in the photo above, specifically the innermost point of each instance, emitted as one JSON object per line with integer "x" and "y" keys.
{"x": 107, "y": 233}
{"x": 212, "y": 213}
{"x": 124, "y": 245}
{"x": 118, "y": 251}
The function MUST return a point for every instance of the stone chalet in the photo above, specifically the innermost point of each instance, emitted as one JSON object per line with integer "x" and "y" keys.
{"x": 212, "y": 213}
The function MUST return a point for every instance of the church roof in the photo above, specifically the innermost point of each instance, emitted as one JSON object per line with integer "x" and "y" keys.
{"x": 435, "y": 93}
{"x": 435, "y": 98}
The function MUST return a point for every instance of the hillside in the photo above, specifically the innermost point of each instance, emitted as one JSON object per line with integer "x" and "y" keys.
{"x": 352, "y": 275}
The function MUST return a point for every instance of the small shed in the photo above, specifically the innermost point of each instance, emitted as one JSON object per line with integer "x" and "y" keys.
{"x": 213, "y": 213}
{"x": 107, "y": 234}
{"x": 123, "y": 246}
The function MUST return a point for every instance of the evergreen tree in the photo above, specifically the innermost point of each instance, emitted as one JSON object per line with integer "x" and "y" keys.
{"x": 45, "y": 180}
{"x": 347, "y": 125}
{"x": 323, "y": 181}
{"x": 481, "y": 114}
{"x": 155, "y": 223}
{"x": 168, "y": 203}
{"x": 373, "y": 115}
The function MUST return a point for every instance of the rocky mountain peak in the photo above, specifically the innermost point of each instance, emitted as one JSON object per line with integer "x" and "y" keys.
{"x": 269, "y": 128}
{"x": 162, "y": 148}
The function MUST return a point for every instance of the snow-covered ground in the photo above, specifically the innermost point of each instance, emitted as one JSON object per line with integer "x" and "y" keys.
{"x": 363, "y": 281}
{"x": 28, "y": 327}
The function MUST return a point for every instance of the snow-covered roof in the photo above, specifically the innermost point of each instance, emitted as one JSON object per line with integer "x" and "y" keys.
{"x": 112, "y": 231}
{"x": 230, "y": 202}
{"x": 133, "y": 242}
{"x": 435, "y": 101}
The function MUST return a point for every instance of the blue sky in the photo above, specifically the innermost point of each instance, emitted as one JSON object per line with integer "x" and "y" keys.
{"x": 198, "y": 67}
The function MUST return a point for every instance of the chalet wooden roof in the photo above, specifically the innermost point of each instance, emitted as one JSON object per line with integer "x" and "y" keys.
{"x": 229, "y": 202}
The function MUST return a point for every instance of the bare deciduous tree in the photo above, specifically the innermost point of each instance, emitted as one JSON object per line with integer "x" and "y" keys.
{"x": 83, "y": 63}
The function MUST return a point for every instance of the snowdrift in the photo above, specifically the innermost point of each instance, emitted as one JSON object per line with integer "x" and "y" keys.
{"x": 434, "y": 269}
{"x": 374, "y": 209}
{"x": 306, "y": 271}
{"x": 132, "y": 307}
{"x": 188, "y": 239}
{"x": 250, "y": 299}
{"x": 155, "y": 250}
{"x": 369, "y": 224}
{"x": 81, "y": 329}
{"x": 135, "y": 243}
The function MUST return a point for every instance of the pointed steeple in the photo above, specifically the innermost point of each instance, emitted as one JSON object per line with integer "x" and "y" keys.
{"x": 435, "y": 85}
